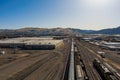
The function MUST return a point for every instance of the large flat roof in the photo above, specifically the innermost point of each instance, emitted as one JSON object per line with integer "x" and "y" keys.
{"x": 31, "y": 40}
{"x": 110, "y": 42}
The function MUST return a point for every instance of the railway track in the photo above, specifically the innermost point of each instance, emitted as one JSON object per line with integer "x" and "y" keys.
{"x": 48, "y": 65}
{"x": 87, "y": 60}
{"x": 28, "y": 70}
{"x": 94, "y": 51}
{"x": 111, "y": 58}
{"x": 58, "y": 77}
{"x": 42, "y": 64}
{"x": 43, "y": 71}
{"x": 109, "y": 54}
{"x": 53, "y": 73}
{"x": 20, "y": 60}
{"x": 90, "y": 71}
{"x": 14, "y": 68}
{"x": 67, "y": 60}
{"x": 51, "y": 70}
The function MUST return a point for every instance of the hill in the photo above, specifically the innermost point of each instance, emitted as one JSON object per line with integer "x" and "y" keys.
{"x": 107, "y": 31}
{"x": 53, "y": 32}
{"x": 35, "y": 32}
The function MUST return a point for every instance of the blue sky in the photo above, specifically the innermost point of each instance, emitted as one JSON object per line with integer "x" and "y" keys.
{"x": 82, "y": 14}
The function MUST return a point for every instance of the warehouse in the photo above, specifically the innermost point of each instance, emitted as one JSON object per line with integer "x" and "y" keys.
{"x": 111, "y": 45}
{"x": 29, "y": 43}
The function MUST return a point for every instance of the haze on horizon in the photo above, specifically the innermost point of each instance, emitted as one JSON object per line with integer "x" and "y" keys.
{"x": 82, "y": 14}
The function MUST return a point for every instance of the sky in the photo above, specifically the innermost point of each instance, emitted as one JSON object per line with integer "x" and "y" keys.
{"x": 82, "y": 14}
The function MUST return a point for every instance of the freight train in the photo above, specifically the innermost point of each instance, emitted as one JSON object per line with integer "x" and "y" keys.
{"x": 104, "y": 72}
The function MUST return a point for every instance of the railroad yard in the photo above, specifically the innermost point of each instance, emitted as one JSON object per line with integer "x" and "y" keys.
{"x": 56, "y": 59}
{"x": 88, "y": 53}
{"x": 34, "y": 64}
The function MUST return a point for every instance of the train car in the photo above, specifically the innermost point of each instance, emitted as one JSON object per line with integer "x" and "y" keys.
{"x": 75, "y": 49}
{"x": 101, "y": 53}
{"x": 79, "y": 73}
{"x": 118, "y": 53}
{"x": 104, "y": 72}
{"x": 96, "y": 63}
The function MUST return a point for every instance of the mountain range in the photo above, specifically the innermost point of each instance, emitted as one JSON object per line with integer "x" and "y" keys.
{"x": 30, "y": 31}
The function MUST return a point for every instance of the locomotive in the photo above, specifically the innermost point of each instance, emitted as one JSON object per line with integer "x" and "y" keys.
{"x": 104, "y": 72}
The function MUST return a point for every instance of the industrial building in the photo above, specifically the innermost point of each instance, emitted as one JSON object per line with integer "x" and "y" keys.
{"x": 110, "y": 45}
{"x": 29, "y": 43}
